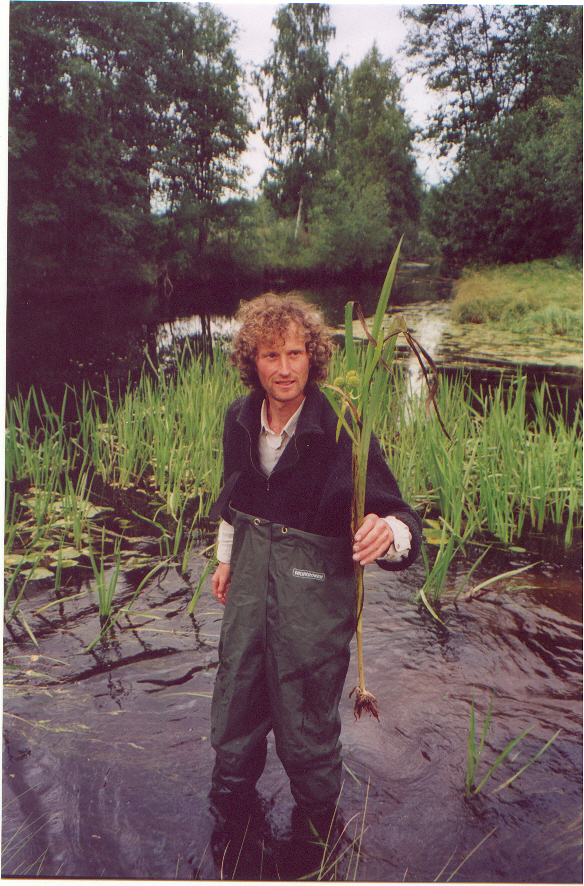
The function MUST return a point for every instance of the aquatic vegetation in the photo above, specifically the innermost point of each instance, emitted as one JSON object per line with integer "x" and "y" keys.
{"x": 436, "y": 574}
{"x": 475, "y": 753}
{"x": 147, "y": 462}
{"x": 503, "y": 472}
{"x": 209, "y": 568}
{"x": 341, "y": 853}
{"x": 19, "y": 843}
{"x": 464, "y": 860}
{"x": 104, "y": 585}
{"x": 108, "y": 620}
{"x": 477, "y": 589}
{"x": 356, "y": 411}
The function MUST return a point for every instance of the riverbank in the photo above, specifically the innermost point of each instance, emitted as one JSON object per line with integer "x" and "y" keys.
{"x": 539, "y": 297}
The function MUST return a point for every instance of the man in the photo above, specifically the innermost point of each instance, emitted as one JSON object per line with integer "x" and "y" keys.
{"x": 285, "y": 572}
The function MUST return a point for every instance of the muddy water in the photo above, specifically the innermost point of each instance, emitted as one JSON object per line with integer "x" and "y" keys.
{"x": 107, "y": 758}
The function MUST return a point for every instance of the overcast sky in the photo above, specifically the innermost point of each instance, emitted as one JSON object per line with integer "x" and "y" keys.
{"x": 358, "y": 26}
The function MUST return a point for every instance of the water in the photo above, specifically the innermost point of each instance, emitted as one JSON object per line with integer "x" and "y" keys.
{"x": 107, "y": 758}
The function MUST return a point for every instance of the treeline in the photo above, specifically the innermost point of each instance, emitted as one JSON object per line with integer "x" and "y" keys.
{"x": 511, "y": 119}
{"x": 128, "y": 122}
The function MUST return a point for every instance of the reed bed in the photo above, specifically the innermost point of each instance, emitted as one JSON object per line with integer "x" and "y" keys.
{"x": 502, "y": 472}
{"x": 148, "y": 462}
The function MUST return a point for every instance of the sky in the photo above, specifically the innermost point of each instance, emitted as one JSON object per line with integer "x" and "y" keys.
{"x": 358, "y": 26}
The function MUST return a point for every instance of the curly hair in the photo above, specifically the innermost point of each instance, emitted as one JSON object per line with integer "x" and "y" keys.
{"x": 268, "y": 318}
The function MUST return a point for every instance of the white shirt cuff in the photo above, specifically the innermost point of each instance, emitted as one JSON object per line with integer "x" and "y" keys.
{"x": 402, "y": 540}
{"x": 224, "y": 541}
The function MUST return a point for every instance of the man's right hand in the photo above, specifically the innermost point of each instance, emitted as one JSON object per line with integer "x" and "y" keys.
{"x": 220, "y": 581}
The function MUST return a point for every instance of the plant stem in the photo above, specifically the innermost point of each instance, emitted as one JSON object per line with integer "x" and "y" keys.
{"x": 364, "y": 700}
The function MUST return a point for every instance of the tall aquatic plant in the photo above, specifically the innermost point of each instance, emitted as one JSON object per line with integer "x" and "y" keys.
{"x": 356, "y": 398}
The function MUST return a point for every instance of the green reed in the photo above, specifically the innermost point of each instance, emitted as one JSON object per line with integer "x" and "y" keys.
{"x": 105, "y": 584}
{"x": 503, "y": 471}
{"x": 356, "y": 396}
{"x": 475, "y": 753}
{"x": 160, "y": 440}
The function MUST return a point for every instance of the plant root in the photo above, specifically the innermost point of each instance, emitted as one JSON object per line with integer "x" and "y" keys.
{"x": 364, "y": 702}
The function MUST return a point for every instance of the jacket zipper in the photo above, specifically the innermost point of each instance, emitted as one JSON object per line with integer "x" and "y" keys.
{"x": 262, "y": 475}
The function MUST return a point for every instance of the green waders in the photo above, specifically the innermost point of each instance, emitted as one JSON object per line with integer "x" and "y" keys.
{"x": 283, "y": 659}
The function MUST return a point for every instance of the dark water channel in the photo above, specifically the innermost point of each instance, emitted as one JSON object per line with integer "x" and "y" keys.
{"x": 107, "y": 757}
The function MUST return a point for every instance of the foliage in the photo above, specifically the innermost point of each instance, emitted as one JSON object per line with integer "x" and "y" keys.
{"x": 361, "y": 391}
{"x": 372, "y": 192}
{"x": 474, "y": 753}
{"x": 511, "y": 118}
{"x": 489, "y": 60}
{"x": 297, "y": 83}
{"x": 364, "y": 194}
{"x": 356, "y": 412}
{"x": 205, "y": 125}
{"x": 114, "y": 107}
{"x": 518, "y": 198}
{"x": 351, "y": 226}
{"x": 154, "y": 453}
{"x": 503, "y": 472}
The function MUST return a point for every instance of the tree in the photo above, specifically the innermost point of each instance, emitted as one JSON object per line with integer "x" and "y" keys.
{"x": 297, "y": 84}
{"x": 112, "y": 104}
{"x": 74, "y": 191}
{"x": 489, "y": 60}
{"x": 511, "y": 81}
{"x": 205, "y": 127}
{"x": 520, "y": 199}
{"x": 372, "y": 194}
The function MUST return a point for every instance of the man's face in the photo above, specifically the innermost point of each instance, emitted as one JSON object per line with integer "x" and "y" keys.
{"x": 283, "y": 367}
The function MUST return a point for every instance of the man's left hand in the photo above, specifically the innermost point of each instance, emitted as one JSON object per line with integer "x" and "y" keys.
{"x": 372, "y": 540}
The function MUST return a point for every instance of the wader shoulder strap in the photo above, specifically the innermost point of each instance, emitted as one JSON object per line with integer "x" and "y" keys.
{"x": 224, "y": 495}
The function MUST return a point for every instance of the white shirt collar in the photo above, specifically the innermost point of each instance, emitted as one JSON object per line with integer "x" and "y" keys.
{"x": 288, "y": 428}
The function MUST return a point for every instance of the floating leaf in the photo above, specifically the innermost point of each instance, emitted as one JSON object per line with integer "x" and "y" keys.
{"x": 69, "y": 553}
{"x": 17, "y": 559}
{"x": 37, "y": 574}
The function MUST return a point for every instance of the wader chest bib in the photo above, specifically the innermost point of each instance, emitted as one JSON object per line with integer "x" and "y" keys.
{"x": 283, "y": 658}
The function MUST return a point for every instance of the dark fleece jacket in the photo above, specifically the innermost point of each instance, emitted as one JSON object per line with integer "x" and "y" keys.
{"x": 310, "y": 487}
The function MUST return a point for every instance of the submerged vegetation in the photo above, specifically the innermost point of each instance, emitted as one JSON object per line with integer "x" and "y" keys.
{"x": 147, "y": 464}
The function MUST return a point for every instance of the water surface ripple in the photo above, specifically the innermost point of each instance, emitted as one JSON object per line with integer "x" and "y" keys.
{"x": 107, "y": 758}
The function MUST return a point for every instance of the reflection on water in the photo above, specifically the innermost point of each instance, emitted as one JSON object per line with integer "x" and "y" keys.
{"x": 107, "y": 759}
{"x": 191, "y": 327}
{"x": 429, "y": 336}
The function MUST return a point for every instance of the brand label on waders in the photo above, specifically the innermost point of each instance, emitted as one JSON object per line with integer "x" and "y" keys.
{"x": 305, "y": 573}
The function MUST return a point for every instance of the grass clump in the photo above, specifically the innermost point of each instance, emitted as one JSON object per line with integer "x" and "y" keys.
{"x": 147, "y": 462}
{"x": 539, "y": 296}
